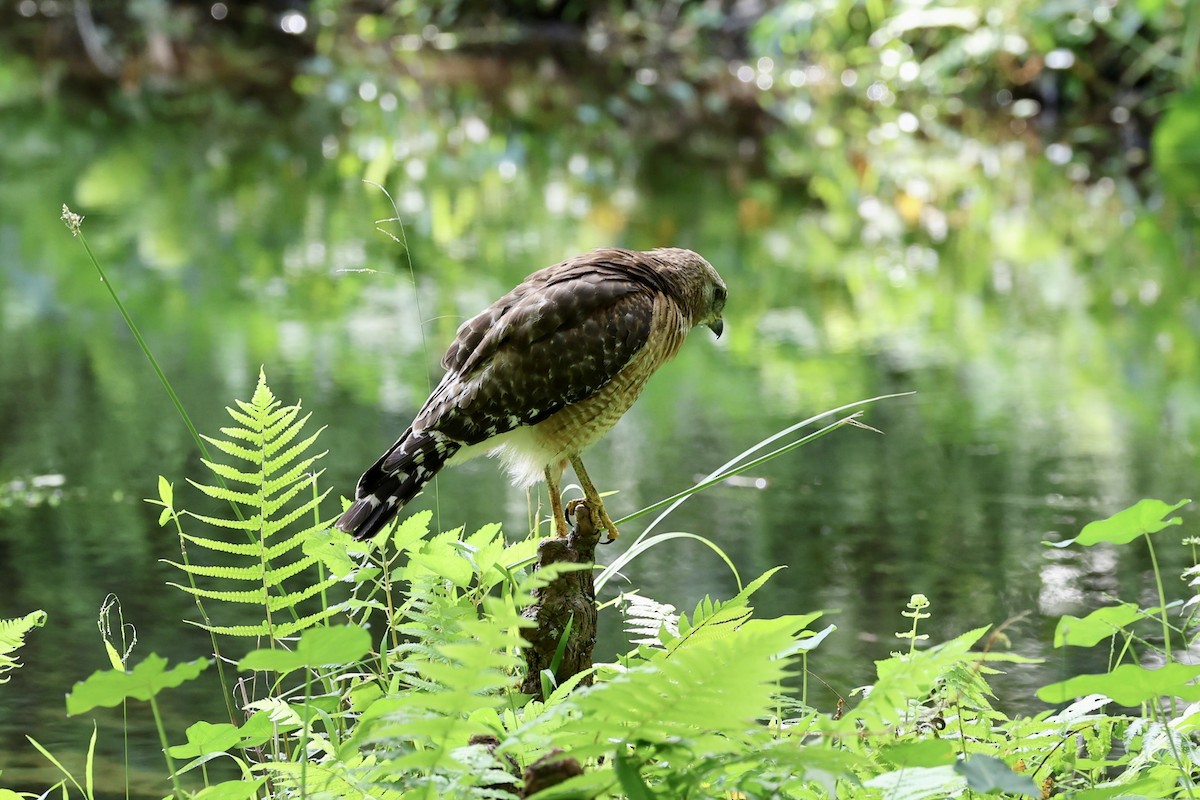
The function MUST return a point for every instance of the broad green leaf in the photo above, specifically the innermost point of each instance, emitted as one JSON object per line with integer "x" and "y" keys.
{"x": 1155, "y": 784}
{"x": 807, "y": 643}
{"x": 329, "y": 547}
{"x": 927, "y": 753}
{"x": 590, "y": 784}
{"x": 1145, "y": 517}
{"x": 110, "y": 687}
{"x": 1096, "y": 626}
{"x": 1128, "y": 684}
{"x": 166, "y": 493}
{"x": 631, "y": 779}
{"x": 230, "y": 790}
{"x": 205, "y": 738}
{"x": 412, "y": 530}
{"x": 341, "y": 644}
{"x": 1175, "y": 147}
{"x": 989, "y": 774}
{"x": 919, "y": 783}
{"x": 444, "y": 563}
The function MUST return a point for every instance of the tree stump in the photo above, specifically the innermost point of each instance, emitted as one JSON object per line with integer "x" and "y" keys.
{"x": 569, "y": 600}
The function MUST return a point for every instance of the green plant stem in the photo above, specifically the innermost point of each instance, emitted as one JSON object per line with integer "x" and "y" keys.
{"x": 304, "y": 733}
{"x": 162, "y": 377}
{"x": 191, "y": 579}
{"x": 162, "y": 737}
{"x": 1184, "y": 770}
{"x": 1162, "y": 601}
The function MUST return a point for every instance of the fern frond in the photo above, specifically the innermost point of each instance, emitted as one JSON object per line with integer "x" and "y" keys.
{"x": 252, "y": 596}
{"x": 286, "y": 457}
{"x": 254, "y": 437}
{"x": 294, "y": 627}
{"x": 249, "y": 423}
{"x": 295, "y": 598}
{"x": 709, "y": 687}
{"x": 307, "y": 506}
{"x": 647, "y": 620}
{"x": 299, "y": 476}
{"x": 280, "y": 574}
{"x": 252, "y": 573}
{"x": 233, "y": 474}
{"x": 12, "y": 636}
{"x": 249, "y": 524}
{"x": 228, "y": 495}
{"x": 285, "y": 546}
{"x": 290, "y": 432}
{"x": 273, "y": 459}
{"x": 221, "y": 546}
{"x": 247, "y": 631}
{"x": 235, "y": 450}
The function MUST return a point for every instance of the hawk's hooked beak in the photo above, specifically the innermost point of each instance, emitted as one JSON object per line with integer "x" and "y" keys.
{"x": 717, "y": 326}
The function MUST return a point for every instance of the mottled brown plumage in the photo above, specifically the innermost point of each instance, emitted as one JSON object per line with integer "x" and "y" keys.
{"x": 544, "y": 372}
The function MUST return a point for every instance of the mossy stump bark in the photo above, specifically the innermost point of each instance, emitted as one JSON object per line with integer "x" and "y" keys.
{"x": 567, "y": 604}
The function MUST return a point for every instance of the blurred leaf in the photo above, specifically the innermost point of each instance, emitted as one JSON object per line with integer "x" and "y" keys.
{"x": 1176, "y": 148}
{"x": 1123, "y": 527}
{"x": 230, "y": 790}
{"x": 204, "y": 738}
{"x": 341, "y": 644}
{"x": 989, "y": 774}
{"x": 918, "y": 783}
{"x": 111, "y": 687}
{"x": 1128, "y": 684}
{"x": 1096, "y": 626}
{"x": 927, "y": 753}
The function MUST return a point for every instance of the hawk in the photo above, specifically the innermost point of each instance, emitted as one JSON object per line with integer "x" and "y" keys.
{"x": 544, "y": 372}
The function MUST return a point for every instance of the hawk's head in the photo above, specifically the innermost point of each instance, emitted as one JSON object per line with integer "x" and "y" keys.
{"x": 696, "y": 284}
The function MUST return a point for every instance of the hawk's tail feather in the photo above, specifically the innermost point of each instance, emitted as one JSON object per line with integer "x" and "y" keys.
{"x": 396, "y": 478}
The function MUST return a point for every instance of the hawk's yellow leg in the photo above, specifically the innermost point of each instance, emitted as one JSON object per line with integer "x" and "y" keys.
{"x": 553, "y": 477}
{"x": 599, "y": 514}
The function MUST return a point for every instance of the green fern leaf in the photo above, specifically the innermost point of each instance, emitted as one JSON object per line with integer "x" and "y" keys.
{"x": 229, "y": 448}
{"x": 232, "y": 473}
{"x": 297, "y": 473}
{"x": 271, "y": 456}
{"x": 250, "y": 423}
{"x": 254, "y": 596}
{"x": 285, "y": 546}
{"x": 12, "y": 636}
{"x": 278, "y": 575}
{"x": 307, "y": 507}
{"x": 295, "y": 598}
{"x": 282, "y": 438}
{"x": 292, "y": 628}
{"x": 254, "y": 437}
{"x": 221, "y": 546}
{"x": 261, "y": 629}
{"x": 713, "y": 687}
{"x": 252, "y": 573}
{"x": 286, "y": 457}
{"x": 249, "y": 524}
{"x": 228, "y": 495}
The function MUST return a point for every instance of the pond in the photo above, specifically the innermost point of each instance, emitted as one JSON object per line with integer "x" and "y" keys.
{"x": 1037, "y": 313}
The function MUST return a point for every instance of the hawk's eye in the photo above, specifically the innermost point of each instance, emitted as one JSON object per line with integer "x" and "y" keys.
{"x": 719, "y": 295}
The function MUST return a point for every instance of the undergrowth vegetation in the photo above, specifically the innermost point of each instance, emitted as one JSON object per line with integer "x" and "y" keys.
{"x": 389, "y": 668}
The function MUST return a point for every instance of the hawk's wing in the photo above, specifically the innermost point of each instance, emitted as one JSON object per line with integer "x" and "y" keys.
{"x": 561, "y": 335}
